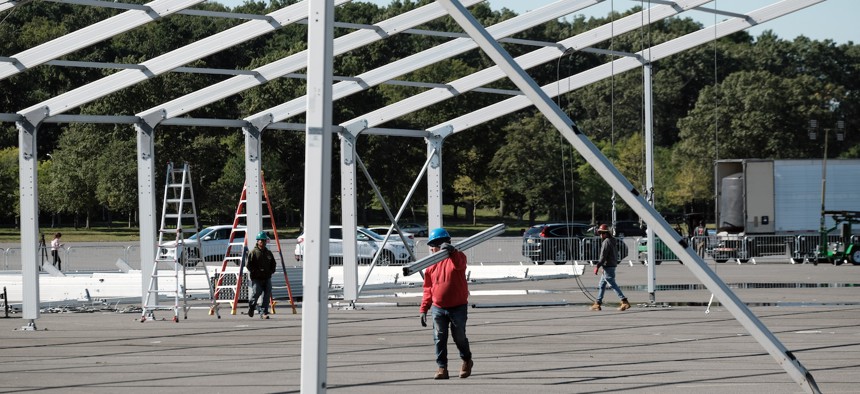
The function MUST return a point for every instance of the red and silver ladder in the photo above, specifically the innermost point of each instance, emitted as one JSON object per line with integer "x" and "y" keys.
{"x": 228, "y": 282}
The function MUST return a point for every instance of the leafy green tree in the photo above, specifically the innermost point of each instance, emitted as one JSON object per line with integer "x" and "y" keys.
{"x": 737, "y": 97}
{"x": 116, "y": 167}
{"x": 9, "y": 182}
{"x": 758, "y": 115}
{"x": 471, "y": 191}
{"x": 73, "y": 176}
{"x": 532, "y": 168}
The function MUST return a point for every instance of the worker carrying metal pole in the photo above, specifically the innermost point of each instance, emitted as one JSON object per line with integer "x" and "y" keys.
{"x": 446, "y": 297}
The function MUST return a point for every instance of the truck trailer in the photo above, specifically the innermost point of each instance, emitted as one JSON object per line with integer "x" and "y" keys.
{"x": 774, "y": 207}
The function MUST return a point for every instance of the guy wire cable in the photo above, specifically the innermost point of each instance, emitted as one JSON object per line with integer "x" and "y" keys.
{"x": 584, "y": 289}
{"x": 567, "y": 209}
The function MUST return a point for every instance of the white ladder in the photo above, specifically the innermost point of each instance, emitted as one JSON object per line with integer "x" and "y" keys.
{"x": 178, "y": 218}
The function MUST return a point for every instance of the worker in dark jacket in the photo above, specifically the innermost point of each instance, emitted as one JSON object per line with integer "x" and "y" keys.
{"x": 608, "y": 261}
{"x": 261, "y": 265}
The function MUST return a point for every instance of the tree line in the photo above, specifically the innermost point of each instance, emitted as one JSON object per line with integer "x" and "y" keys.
{"x": 737, "y": 97}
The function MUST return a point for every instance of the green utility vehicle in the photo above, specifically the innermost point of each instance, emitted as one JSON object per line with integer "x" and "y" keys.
{"x": 661, "y": 252}
{"x": 842, "y": 248}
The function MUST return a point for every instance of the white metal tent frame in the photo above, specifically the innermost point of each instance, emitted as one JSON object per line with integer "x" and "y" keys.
{"x": 319, "y": 128}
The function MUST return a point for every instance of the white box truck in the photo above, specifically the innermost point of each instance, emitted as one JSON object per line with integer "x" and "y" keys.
{"x": 771, "y": 198}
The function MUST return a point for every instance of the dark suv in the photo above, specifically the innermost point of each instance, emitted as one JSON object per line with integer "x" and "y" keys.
{"x": 624, "y": 228}
{"x": 629, "y": 229}
{"x": 556, "y": 242}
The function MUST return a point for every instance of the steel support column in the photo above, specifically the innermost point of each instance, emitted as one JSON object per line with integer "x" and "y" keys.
{"x": 28, "y": 167}
{"x": 146, "y": 207}
{"x": 434, "y": 179}
{"x": 253, "y": 184}
{"x": 630, "y": 195}
{"x": 348, "y": 217}
{"x": 318, "y": 146}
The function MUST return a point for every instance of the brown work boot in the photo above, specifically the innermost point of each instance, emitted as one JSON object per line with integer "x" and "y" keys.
{"x": 441, "y": 373}
{"x": 466, "y": 369}
{"x": 624, "y": 305}
{"x": 596, "y": 306}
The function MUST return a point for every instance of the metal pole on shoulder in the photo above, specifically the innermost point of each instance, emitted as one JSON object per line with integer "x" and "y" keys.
{"x": 461, "y": 246}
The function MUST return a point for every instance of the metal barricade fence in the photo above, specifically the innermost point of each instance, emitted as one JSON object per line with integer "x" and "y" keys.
{"x": 777, "y": 247}
{"x": 757, "y": 248}
{"x": 807, "y": 245}
{"x": 497, "y": 250}
{"x": 132, "y": 256}
{"x": 84, "y": 258}
{"x": 626, "y": 249}
{"x": 541, "y": 250}
{"x": 751, "y": 248}
{"x": 12, "y": 259}
{"x": 505, "y": 250}
{"x": 93, "y": 258}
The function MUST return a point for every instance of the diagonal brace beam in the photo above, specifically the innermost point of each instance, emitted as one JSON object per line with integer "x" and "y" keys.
{"x": 630, "y": 195}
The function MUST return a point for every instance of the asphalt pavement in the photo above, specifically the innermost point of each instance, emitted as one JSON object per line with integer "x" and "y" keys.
{"x": 526, "y": 335}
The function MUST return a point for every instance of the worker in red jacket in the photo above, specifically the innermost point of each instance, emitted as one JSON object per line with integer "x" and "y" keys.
{"x": 446, "y": 296}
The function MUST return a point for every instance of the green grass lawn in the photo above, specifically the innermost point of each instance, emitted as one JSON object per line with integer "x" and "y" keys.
{"x": 70, "y": 234}
{"x": 120, "y": 231}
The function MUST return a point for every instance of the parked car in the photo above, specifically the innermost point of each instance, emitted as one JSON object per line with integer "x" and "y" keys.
{"x": 628, "y": 228}
{"x": 419, "y": 230}
{"x": 410, "y": 238}
{"x": 556, "y": 242}
{"x": 211, "y": 242}
{"x": 369, "y": 245}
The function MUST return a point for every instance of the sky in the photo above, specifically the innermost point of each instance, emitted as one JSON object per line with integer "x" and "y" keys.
{"x": 832, "y": 19}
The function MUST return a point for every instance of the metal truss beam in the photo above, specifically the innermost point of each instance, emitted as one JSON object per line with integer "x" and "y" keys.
{"x": 130, "y": 6}
{"x": 8, "y": 4}
{"x": 430, "y": 56}
{"x": 587, "y": 77}
{"x": 166, "y": 62}
{"x": 297, "y": 61}
{"x": 529, "y": 60}
{"x": 92, "y": 34}
{"x": 209, "y": 122}
{"x": 631, "y": 196}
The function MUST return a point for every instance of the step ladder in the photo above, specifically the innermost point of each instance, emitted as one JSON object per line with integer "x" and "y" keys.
{"x": 174, "y": 260}
{"x": 228, "y": 284}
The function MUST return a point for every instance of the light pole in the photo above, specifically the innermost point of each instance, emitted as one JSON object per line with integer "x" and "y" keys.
{"x": 840, "y": 135}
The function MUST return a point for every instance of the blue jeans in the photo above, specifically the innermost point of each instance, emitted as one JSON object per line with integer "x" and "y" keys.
{"x": 455, "y": 318}
{"x": 608, "y": 277}
{"x": 260, "y": 287}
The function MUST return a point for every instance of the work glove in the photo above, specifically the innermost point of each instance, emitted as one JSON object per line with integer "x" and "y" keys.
{"x": 423, "y": 317}
{"x": 596, "y": 269}
{"x": 450, "y": 248}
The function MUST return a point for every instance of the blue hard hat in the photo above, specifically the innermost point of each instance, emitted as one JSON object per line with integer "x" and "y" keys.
{"x": 438, "y": 236}
{"x": 262, "y": 235}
